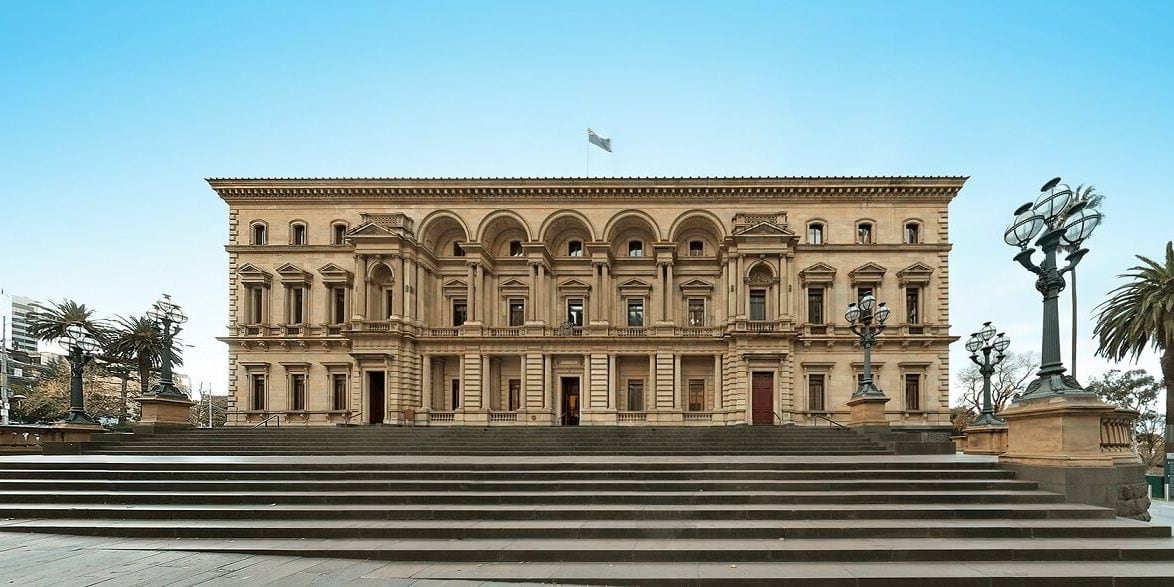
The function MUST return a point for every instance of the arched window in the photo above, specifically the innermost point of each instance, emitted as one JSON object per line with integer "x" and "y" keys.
{"x": 338, "y": 233}
{"x": 297, "y": 234}
{"x": 759, "y": 281}
{"x": 260, "y": 234}
{"x": 815, "y": 233}
{"x": 864, "y": 233}
{"x": 912, "y": 233}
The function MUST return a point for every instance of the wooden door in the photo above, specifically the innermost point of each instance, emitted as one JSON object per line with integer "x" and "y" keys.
{"x": 763, "y": 402}
{"x": 570, "y": 401}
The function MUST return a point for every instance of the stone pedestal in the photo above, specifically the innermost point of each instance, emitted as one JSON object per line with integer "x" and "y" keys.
{"x": 868, "y": 411}
{"x": 66, "y": 432}
{"x": 163, "y": 413}
{"x": 1080, "y": 447}
{"x": 986, "y": 439}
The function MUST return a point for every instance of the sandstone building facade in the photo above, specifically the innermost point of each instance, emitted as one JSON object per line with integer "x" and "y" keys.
{"x": 583, "y": 301}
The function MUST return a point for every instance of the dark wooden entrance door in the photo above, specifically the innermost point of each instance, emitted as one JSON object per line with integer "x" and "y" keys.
{"x": 763, "y": 405}
{"x": 570, "y": 387}
{"x": 376, "y": 393}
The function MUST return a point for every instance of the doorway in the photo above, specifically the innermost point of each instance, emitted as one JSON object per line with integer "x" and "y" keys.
{"x": 376, "y": 393}
{"x": 570, "y": 387}
{"x": 762, "y": 386}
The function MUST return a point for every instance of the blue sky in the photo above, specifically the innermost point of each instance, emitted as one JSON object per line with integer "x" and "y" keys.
{"x": 111, "y": 115}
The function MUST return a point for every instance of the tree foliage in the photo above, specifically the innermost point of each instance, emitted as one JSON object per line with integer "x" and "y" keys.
{"x": 1138, "y": 391}
{"x": 1010, "y": 378}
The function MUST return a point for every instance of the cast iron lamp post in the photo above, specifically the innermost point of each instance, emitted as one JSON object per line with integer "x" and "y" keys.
{"x": 82, "y": 349}
{"x": 1061, "y": 222}
{"x": 985, "y": 341}
{"x": 867, "y": 320}
{"x": 168, "y": 319}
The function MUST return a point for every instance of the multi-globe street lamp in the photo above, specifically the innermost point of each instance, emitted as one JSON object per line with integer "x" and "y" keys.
{"x": 866, "y": 320}
{"x": 168, "y": 319}
{"x": 83, "y": 347}
{"x": 1058, "y": 219}
{"x": 985, "y": 341}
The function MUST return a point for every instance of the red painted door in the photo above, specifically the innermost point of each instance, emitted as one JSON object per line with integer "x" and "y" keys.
{"x": 763, "y": 405}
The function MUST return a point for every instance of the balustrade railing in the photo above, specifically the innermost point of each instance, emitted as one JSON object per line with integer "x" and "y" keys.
{"x": 760, "y": 326}
{"x": 1117, "y": 431}
{"x": 500, "y": 417}
{"x": 504, "y": 331}
{"x": 627, "y": 417}
{"x": 442, "y": 416}
{"x": 698, "y": 417}
{"x": 629, "y": 331}
{"x": 698, "y": 331}
{"x": 452, "y": 331}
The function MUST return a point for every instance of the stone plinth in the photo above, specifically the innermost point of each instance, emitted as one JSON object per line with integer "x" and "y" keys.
{"x": 1079, "y": 446}
{"x": 66, "y": 432}
{"x": 163, "y": 413}
{"x": 868, "y": 411}
{"x": 986, "y": 439}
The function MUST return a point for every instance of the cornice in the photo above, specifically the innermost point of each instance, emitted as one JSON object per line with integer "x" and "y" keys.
{"x": 846, "y": 248}
{"x": 597, "y": 189}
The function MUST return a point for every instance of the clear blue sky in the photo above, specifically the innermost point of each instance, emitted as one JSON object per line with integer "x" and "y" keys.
{"x": 111, "y": 115}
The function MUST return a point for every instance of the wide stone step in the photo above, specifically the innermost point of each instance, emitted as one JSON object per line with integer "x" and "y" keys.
{"x": 328, "y": 452}
{"x": 475, "y": 474}
{"x": 692, "y": 551}
{"x": 606, "y": 529}
{"x": 513, "y": 485}
{"x": 533, "y": 497}
{"x": 718, "y": 512}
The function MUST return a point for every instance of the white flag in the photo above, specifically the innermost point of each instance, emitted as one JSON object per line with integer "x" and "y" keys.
{"x": 598, "y": 141}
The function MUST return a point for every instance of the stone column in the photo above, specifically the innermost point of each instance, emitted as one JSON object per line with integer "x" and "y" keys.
{"x": 679, "y": 400}
{"x": 650, "y": 389}
{"x": 612, "y": 381}
{"x": 469, "y": 300}
{"x": 670, "y": 296}
{"x": 739, "y": 298}
{"x": 359, "y": 312}
{"x": 532, "y": 304}
{"x": 607, "y": 293}
{"x": 426, "y": 382}
{"x": 405, "y": 287}
{"x": 717, "y": 382}
{"x": 486, "y": 383}
{"x": 782, "y": 301}
{"x": 548, "y": 399}
{"x": 479, "y": 293}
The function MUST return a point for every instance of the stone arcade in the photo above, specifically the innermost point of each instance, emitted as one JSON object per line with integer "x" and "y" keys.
{"x": 709, "y": 301}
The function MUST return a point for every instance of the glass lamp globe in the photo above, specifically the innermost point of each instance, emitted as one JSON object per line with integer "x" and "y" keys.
{"x": 75, "y": 334}
{"x": 1054, "y": 202}
{"x": 853, "y": 313}
{"x": 866, "y": 303}
{"x": 1080, "y": 225}
{"x": 974, "y": 343}
{"x": 1026, "y": 225}
{"x": 882, "y": 312}
{"x": 89, "y": 346}
{"x": 1002, "y": 342}
{"x": 987, "y": 331}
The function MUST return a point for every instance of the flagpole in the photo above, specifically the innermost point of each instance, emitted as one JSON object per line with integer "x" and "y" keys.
{"x": 588, "y": 153}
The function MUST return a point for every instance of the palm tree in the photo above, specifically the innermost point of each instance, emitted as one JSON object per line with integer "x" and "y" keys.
{"x": 1140, "y": 315}
{"x": 1092, "y": 200}
{"x": 51, "y": 323}
{"x": 136, "y": 340}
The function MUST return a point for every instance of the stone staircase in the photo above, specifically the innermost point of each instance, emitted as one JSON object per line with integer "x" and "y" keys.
{"x": 745, "y": 507}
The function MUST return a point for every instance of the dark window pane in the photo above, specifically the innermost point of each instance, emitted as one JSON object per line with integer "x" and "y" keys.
{"x": 298, "y": 392}
{"x": 515, "y": 248}
{"x": 815, "y": 305}
{"x": 339, "y": 305}
{"x": 517, "y": 312}
{"x": 635, "y": 312}
{"x": 635, "y": 395}
{"x": 575, "y": 312}
{"x": 459, "y": 312}
{"x": 635, "y": 248}
{"x": 815, "y": 233}
{"x": 339, "y": 395}
{"x": 757, "y": 304}
{"x": 575, "y": 249}
{"x": 912, "y": 233}
{"x": 912, "y": 305}
{"x": 696, "y": 312}
{"x": 458, "y": 250}
{"x": 696, "y": 395}
{"x": 339, "y": 233}
{"x": 912, "y": 392}
{"x": 515, "y": 394}
{"x": 696, "y": 248}
{"x": 815, "y": 393}
{"x": 258, "y": 392}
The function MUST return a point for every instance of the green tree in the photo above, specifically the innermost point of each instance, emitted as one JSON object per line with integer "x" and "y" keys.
{"x": 47, "y": 398}
{"x": 136, "y": 340}
{"x": 1007, "y": 380}
{"x": 1138, "y": 391}
{"x": 1139, "y": 315}
{"x": 50, "y": 323}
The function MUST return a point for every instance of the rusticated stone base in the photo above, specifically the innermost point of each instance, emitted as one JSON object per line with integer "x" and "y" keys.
{"x": 1121, "y": 488}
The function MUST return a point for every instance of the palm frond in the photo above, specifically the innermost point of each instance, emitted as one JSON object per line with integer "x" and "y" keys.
{"x": 1139, "y": 315}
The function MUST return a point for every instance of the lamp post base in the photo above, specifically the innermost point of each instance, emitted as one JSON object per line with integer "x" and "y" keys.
{"x": 163, "y": 413}
{"x": 986, "y": 439}
{"x": 167, "y": 389}
{"x": 79, "y": 417}
{"x": 868, "y": 411}
{"x": 1053, "y": 385}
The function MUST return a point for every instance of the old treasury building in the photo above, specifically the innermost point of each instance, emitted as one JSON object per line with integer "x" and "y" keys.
{"x": 644, "y": 301}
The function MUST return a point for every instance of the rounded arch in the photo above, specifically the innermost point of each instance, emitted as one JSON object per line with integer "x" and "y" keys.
{"x": 866, "y": 231}
{"x": 912, "y": 231}
{"x": 629, "y": 219}
{"x": 254, "y": 237}
{"x": 695, "y": 221}
{"x": 500, "y": 227}
{"x": 441, "y": 228}
{"x": 380, "y": 273}
{"x": 760, "y": 273}
{"x": 565, "y": 219}
{"x": 816, "y": 231}
{"x": 336, "y": 237}
{"x": 296, "y": 225}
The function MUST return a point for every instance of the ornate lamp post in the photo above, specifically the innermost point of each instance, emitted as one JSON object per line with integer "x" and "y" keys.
{"x": 1057, "y": 220}
{"x": 168, "y": 319}
{"x": 866, "y": 320}
{"x": 985, "y": 341}
{"x": 82, "y": 349}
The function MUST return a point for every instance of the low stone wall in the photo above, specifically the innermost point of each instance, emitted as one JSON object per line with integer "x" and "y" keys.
{"x": 1121, "y": 488}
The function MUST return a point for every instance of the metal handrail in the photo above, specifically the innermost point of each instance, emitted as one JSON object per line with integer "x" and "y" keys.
{"x": 265, "y": 422}
{"x": 823, "y": 417}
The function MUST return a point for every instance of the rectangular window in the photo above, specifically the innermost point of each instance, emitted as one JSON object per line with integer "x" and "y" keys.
{"x": 515, "y": 394}
{"x": 815, "y": 393}
{"x": 815, "y": 234}
{"x": 256, "y": 305}
{"x": 338, "y": 295}
{"x": 635, "y": 248}
{"x": 388, "y": 303}
{"x": 299, "y": 234}
{"x": 635, "y": 395}
{"x": 575, "y": 249}
{"x": 696, "y": 311}
{"x": 339, "y": 233}
{"x": 635, "y": 312}
{"x": 862, "y": 292}
{"x": 517, "y": 312}
{"x": 911, "y": 233}
{"x": 455, "y": 388}
{"x": 815, "y": 305}
{"x": 258, "y": 392}
{"x": 297, "y": 392}
{"x": 258, "y": 234}
{"x": 338, "y": 392}
{"x": 575, "y": 312}
{"x": 458, "y": 250}
{"x": 864, "y": 233}
{"x": 758, "y": 304}
{"x": 912, "y": 305}
{"x": 297, "y": 305}
{"x": 696, "y": 395}
{"x": 515, "y": 248}
{"x": 696, "y": 248}
{"x": 460, "y": 312}
{"x": 913, "y": 392}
